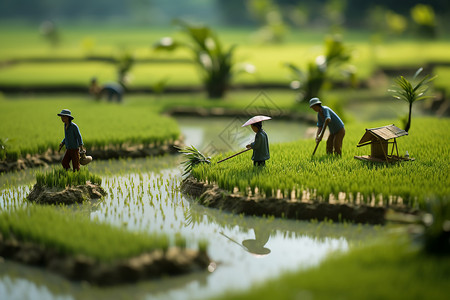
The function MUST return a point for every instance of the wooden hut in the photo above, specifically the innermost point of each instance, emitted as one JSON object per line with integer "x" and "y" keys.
{"x": 379, "y": 140}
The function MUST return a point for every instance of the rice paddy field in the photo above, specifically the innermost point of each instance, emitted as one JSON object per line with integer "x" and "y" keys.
{"x": 30, "y": 132}
{"x": 29, "y": 61}
{"x": 291, "y": 169}
{"x": 254, "y": 257}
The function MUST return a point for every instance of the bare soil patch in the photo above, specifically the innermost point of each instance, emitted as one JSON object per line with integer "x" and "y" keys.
{"x": 69, "y": 195}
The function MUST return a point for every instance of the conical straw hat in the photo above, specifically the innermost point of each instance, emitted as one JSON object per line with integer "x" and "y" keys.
{"x": 256, "y": 119}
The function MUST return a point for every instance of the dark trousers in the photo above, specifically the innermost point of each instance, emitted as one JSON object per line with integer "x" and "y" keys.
{"x": 71, "y": 155}
{"x": 260, "y": 163}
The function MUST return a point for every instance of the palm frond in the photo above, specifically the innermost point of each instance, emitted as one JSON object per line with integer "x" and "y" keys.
{"x": 193, "y": 158}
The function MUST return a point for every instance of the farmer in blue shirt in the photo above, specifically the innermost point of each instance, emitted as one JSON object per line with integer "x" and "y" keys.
{"x": 112, "y": 90}
{"x": 328, "y": 118}
{"x": 72, "y": 140}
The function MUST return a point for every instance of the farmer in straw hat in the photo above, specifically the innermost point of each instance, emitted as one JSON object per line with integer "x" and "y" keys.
{"x": 326, "y": 117}
{"x": 72, "y": 140}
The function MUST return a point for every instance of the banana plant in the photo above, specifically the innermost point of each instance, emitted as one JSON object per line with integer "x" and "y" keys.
{"x": 410, "y": 92}
{"x": 213, "y": 59}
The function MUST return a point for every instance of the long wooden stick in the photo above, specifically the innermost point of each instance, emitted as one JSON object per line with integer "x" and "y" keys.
{"x": 233, "y": 155}
{"x": 317, "y": 144}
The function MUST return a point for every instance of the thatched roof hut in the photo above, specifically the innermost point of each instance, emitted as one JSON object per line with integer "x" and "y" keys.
{"x": 379, "y": 140}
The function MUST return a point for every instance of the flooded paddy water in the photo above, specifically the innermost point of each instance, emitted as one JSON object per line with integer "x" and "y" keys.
{"x": 144, "y": 195}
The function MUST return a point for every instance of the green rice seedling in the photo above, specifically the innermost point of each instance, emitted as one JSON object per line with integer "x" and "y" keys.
{"x": 61, "y": 178}
{"x": 49, "y": 228}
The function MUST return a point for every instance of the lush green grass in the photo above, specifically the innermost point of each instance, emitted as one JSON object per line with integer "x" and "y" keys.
{"x": 51, "y": 228}
{"x": 57, "y": 74}
{"x": 32, "y": 125}
{"x": 390, "y": 269}
{"x": 269, "y": 60}
{"x": 291, "y": 167}
{"x": 62, "y": 178}
{"x": 443, "y": 79}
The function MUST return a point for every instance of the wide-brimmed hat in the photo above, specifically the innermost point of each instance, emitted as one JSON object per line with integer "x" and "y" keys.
{"x": 314, "y": 101}
{"x": 256, "y": 119}
{"x": 66, "y": 112}
{"x": 84, "y": 160}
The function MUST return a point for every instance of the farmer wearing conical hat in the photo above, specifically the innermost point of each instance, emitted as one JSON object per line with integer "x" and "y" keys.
{"x": 326, "y": 117}
{"x": 72, "y": 140}
{"x": 261, "y": 144}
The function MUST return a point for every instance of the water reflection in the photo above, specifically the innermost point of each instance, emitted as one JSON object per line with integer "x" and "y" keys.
{"x": 226, "y": 134}
{"x": 256, "y": 245}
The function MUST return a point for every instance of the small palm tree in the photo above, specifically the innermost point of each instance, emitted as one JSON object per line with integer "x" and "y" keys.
{"x": 193, "y": 157}
{"x": 215, "y": 62}
{"x": 410, "y": 93}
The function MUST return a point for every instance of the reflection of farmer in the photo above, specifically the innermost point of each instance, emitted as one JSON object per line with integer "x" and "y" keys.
{"x": 72, "y": 140}
{"x": 255, "y": 246}
{"x": 327, "y": 117}
{"x": 111, "y": 90}
{"x": 260, "y": 146}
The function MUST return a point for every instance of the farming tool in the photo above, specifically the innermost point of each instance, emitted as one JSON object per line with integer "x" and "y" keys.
{"x": 236, "y": 154}
{"x": 315, "y": 148}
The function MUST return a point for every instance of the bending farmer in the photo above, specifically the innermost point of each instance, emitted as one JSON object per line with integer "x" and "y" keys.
{"x": 328, "y": 118}
{"x": 260, "y": 146}
{"x": 111, "y": 90}
{"x": 72, "y": 140}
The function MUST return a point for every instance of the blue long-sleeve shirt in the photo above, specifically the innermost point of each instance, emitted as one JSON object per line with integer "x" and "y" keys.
{"x": 72, "y": 136}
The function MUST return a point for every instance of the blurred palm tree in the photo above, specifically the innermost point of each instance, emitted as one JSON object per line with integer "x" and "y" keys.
{"x": 50, "y": 33}
{"x": 424, "y": 17}
{"x": 215, "y": 62}
{"x": 269, "y": 14}
{"x": 124, "y": 63}
{"x": 407, "y": 91}
{"x": 311, "y": 82}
